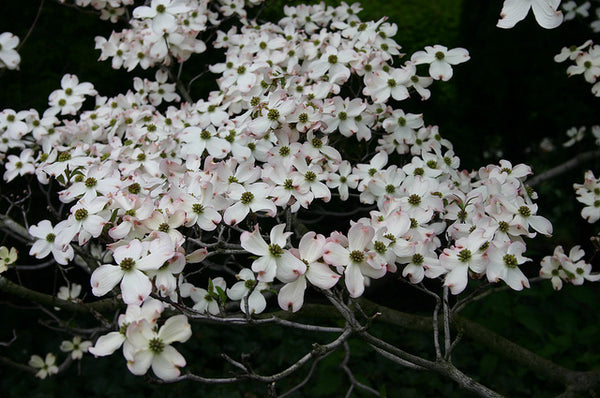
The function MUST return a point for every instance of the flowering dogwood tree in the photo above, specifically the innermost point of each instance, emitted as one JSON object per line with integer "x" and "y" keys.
{"x": 185, "y": 211}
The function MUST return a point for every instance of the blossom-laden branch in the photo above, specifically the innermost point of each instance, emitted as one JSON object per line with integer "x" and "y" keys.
{"x": 146, "y": 188}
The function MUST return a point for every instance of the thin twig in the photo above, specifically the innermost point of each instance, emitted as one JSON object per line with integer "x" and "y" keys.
{"x": 37, "y": 16}
{"x": 353, "y": 381}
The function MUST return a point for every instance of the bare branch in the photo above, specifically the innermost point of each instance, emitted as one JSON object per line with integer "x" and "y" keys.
{"x": 353, "y": 381}
{"x": 307, "y": 378}
{"x": 37, "y": 16}
{"x": 8, "y": 343}
{"x": 563, "y": 168}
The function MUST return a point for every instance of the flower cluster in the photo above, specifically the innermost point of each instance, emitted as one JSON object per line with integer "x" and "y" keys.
{"x": 162, "y": 190}
{"x": 144, "y": 344}
{"x": 588, "y": 193}
{"x": 9, "y": 57}
{"x": 163, "y": 31}
{"x": 586, "y": 59}
{"x": 568, "y": 268}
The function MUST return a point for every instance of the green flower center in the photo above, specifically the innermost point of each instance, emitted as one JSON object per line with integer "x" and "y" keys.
{"x": 197, "y": 208}
{"x": 156, "y": 345}
{"x": 81, "y": 214}
{"x": 127, "y": 264}
{"x": 510, "y": 261}
{"x": 273, "y": 115}
{"x": 310, "y": 176}
{"x": 524, "y": 211}
{"x": 247, "y": 197}
{"x": 379, "y": 247}
{"x": 284, "y": 151}
{"x": 357, "y": 256}
{"x": 414, "y": 199}
{"x": 90, "y": 182}
{"x": 417, "y": 259}
{"x": 64, "y": 156}
{"x": 464, "y": 255}
{"x": 164, "y": 227}
{"x": 275, "y": 250}
{"x": 134, "y": 188}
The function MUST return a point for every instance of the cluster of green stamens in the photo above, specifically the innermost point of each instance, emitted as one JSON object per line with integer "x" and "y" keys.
{"x": 510, "y": 260}
{"x": 284, "y": 151}
{"x": 90, "y": 182}
{"x": 357, "y": 256}
{"x": 464, "y": 255}
{"x": 310, "y": 176}
{"x": 417, "y": 259}
{"x": 164, "y": 227}
{"x": 81, "y": 214}
{"x": 414, "y": 199}
{"x": 275, "y": 250}
{"x": 247, "y": 197}
{"x": 273, "y": 115}
{"x": 156, "y": 345}
{"x": 524, "y": 211}
{"x": 127, "y": 264}
{"x": 197, "y": 208}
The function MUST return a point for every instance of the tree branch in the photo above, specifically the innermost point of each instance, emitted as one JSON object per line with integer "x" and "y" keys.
{"x": 14, "y": 289}
{"x": 563, "y": 168}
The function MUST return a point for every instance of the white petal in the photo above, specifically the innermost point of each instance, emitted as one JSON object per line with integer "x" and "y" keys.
{"x": 355, "y": 281}
{"x": 107, "y": 344}
{"x": 321, "y": 275}
{"x": 135, "y": 287}
{"x": 166, "y": 365}
{"x": 176, "y": 328}
{"x": 141, "y": 362}
{"x": 105, "y": 278}
{"x": 291, "y": 296}
{"x": 546, "y": 14}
